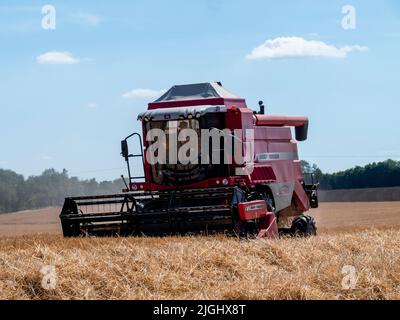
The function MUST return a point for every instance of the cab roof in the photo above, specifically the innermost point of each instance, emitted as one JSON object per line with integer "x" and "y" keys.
{"x": 209, "y": 93}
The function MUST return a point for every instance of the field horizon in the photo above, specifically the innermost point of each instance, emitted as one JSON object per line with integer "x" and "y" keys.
{"x": 331, "y": 217}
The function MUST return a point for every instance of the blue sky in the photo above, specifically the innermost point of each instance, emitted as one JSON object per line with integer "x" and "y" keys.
{"x": 73, "y": 115}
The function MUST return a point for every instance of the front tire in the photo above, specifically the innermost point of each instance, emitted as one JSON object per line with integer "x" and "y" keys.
{"x": 304, "y": 226}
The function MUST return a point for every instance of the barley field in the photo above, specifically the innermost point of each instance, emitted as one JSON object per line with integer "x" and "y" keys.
{"x": 347, "y": 260}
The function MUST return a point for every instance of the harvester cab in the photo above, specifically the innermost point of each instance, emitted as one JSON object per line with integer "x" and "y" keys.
{"x": 209, "y": 164}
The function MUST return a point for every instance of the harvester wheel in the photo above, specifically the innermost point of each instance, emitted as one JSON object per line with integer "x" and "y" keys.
{"x": 304, "y": 226}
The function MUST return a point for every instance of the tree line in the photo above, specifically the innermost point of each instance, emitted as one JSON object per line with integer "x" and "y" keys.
{"x": 48, "y": 189}
{"x": 51, "y": 187}
{"x": 374, "y": 175}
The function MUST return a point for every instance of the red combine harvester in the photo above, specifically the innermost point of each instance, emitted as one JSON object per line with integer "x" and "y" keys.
{"x": 264, "y": 196}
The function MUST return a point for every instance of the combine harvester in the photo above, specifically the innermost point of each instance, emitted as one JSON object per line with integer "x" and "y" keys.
{"x": 265, "y": 196}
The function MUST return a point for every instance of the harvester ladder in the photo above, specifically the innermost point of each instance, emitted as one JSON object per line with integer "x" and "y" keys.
{"x": 138, "y": 155}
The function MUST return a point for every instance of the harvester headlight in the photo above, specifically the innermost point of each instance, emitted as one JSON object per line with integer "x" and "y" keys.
{"x": 225, "y": 182}
{"x": 140, "y": 118}
{"x": 217, "y": 182}
{"x": 181, "y": 117}
{"x": 190, "y": 116}
{"x": 198, "y": 115}
{"x": 146, "y": 119}
{"x": 134, "y": 187}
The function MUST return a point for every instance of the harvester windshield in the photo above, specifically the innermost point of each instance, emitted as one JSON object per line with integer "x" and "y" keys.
{"x": 173, "y": 172}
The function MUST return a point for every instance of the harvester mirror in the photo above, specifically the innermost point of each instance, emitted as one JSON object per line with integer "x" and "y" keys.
{"x": 124, "y": 149}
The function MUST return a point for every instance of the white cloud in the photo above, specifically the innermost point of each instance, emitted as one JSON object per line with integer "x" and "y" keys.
{"x": 92, "y": 105}
{"x": 46, "y": 158}
{"x": 57, "y": 57}
{"x": 88, "y": 19}
{"x": 297, "y": 47}
{"x": 143, "y": 94}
